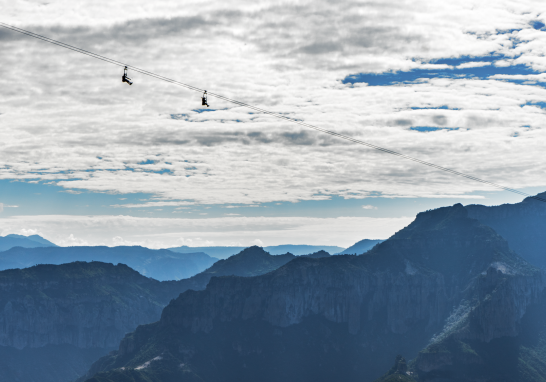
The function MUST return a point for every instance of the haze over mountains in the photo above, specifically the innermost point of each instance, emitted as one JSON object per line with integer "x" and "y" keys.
{"x": 446, "y": 291}
{"x": 160, "y": 264}
{"x": 225, "y": 252}
{"x": 33, "y": 241}
{"x": 64, "y": 317}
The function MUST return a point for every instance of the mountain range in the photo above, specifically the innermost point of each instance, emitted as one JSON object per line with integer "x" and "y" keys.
{"x": 33, "y": 241}
{"x": 64, "y": 317}
{"x": 225, "y": 252}
{"x": 459, "y": 293}
{"x": 160, "y": 264}
{"x": 440, "y": 291}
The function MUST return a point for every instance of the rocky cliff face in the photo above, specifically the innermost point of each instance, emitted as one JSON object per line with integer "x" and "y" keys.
{"x": 87, "y": 305}
{"x": 391, "y": 300}
{"x": 55, "y": 320}
{"x": 342, "y": 290}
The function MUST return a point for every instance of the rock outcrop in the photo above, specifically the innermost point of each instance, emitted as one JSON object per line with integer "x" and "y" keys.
{"x": 390, "y": 301}
{"x": 55, "y": 320}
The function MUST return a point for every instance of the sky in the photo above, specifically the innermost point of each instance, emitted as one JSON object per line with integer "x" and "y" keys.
{"x": 88, "y": 160}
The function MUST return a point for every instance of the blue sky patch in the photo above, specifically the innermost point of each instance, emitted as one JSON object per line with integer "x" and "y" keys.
{"x": 539, "y": 104}
{"x": 426, "y": 129}
{"x": 481, "y": 72}
{"x": 538, "y": 25}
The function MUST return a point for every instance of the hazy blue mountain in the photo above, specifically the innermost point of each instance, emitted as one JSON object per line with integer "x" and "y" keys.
{"x": 56, "y": 320}
{"x": 252, "y": 261}
{"x": 299, "y": 250}
{"x": 160, "y": 264}
{"x": 33, "y": 241}
{"x": 361, "y": 247}
{"x": 523, "y": 225}
{"x": 225, "y": 252}
{"x": 341, "y": 317}
{"x": 318, "y": 255}
{"x": 217, "y": 252}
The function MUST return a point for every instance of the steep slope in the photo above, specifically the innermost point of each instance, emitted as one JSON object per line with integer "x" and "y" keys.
{"x": 361, "y": 247}
{"x": 159, "y": 264}
{"x": 520, "y": 357}
{"x": 33, "y": 241}
{"x": 332, "y": 318}
{"x": 523, "y": 225}
{"x": 55, "y": 320}
{"x": 468, "y": 349}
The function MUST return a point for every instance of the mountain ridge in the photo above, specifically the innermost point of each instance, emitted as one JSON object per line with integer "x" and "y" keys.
{"x": 161, "y": 264}
{"x": 400, "y": 289}
{"x": 33, "y": 241}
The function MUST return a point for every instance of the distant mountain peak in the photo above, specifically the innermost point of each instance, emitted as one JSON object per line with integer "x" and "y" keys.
{"x": 318, "y": 254}
{"x": 13, "y": 240}
{"x": 253, "y": 251}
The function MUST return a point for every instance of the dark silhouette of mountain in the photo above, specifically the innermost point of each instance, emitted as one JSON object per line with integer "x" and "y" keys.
{"x": 55, "y": 320}
{"x": 217, "y": 252}
{"x": 225, "y": 252}
{"x": 64, "y": 317}
{"x": 160, "y": 264}
{"x": 318, "y": 255}
{"x": 300, "y": 250}
{"x": 361, "y": 247}
{"x": 251, "y": 261}
{"x": 523, "y": 225}
{"x": 338, "y": 317}
{"x": 33, "y": 241}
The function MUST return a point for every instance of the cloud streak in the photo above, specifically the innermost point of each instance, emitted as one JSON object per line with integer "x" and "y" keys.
{"x": 233, "y": 230}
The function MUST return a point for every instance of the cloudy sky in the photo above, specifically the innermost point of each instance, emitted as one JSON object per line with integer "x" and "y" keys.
{"x": 86, "y": 159}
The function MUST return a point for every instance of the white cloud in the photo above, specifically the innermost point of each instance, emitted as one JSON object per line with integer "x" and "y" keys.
{"x": 167, "y": 232}
{"x": 475, "y": 64}
{"x": 257, "y": 242}
{"x": 2, "y": 206}
{"x": 72, "y": 241}
{"x": 98, "y": 140}
{"x": 153, "y": 204}
{"x": 369, "y": 207}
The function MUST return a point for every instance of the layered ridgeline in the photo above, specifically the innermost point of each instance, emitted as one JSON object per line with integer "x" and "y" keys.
{"x": 338, "y": 317}
{"x": 32, "y": 241}
{"x": 55, "y": 320}
{"x": 225, "y": 252}
{"x": 160, "y": 264}
{"x": 523, "y": 225}
{"x": 252, "y": 261}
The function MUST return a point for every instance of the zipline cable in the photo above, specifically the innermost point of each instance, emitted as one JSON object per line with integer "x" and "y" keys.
{"x": 263, "y": 111}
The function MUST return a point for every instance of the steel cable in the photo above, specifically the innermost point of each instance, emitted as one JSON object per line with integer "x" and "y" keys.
{"x": 263, "y": 111}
